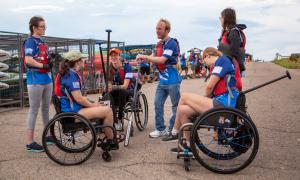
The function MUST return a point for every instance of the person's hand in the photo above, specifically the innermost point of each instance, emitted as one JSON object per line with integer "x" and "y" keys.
{"x": 141, "y": 58}
{"x": 48, "y": 66}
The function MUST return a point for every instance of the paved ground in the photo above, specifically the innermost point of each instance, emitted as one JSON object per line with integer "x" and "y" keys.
{"x": 275, "y": 110}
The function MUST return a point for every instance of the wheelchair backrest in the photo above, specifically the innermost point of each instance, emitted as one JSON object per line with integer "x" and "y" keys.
{"x": 56, "y": 103}
{"x": 241, "y": 102}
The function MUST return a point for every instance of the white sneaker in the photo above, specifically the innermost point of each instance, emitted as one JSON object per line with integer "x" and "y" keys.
{"x": 156, "y": 133}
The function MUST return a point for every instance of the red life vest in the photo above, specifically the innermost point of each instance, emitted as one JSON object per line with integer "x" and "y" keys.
{"x": 221, "y": 86}
{"x": 160, "y": 50}
{"x": 159, "y": 53}
{"x": 41, "y": 57}
{"x": 57, "y": 87}
{"x": 118, "y": 76}
{"x": 57, "y": 84}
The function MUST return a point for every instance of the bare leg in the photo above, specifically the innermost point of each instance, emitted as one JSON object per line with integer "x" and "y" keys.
{"x": 102, "y": 112}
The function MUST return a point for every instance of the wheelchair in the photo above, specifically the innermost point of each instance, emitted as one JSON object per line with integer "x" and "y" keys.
{"x": 223, "y": 140}
{"x": 135, "y": 109}
{"x": 75, "y": 137}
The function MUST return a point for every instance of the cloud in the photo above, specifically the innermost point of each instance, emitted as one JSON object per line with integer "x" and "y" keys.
{"x": 42, "y": 8}
{"x": 273, "y": 26}
{"x": 108, "y": 14}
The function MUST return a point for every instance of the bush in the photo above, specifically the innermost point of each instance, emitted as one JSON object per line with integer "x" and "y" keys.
{"x": 287, "y": 63}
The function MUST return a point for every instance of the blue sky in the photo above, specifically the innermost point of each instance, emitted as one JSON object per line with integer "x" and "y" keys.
{"x": 273, "y": 26}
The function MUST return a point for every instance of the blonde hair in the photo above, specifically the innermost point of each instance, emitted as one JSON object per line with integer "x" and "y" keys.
{"x": 167, "y": 23}
{"x": 210, "y": 51}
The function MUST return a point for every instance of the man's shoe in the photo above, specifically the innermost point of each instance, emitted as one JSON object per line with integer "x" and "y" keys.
{"x": 170, "y": 138}
{"x": 157, "y": 133}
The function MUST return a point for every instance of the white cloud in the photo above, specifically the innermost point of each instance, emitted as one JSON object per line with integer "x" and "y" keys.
{"x": 273, "y": 25}
{"x": 42, "y": 8}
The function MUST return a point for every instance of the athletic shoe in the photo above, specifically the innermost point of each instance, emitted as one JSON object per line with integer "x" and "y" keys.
{"x": 157, "y": 133}
{"x": 170, "y": 138}
{"x": 34, "y": 147}
{"x": 49, "y": 140}
{"x": 180, "y": 151}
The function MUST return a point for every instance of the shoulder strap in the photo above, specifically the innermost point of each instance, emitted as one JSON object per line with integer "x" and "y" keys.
{"x": 241, "y": 35}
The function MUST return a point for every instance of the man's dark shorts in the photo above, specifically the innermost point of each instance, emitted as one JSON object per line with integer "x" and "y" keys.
{"x": 145, "y": 70}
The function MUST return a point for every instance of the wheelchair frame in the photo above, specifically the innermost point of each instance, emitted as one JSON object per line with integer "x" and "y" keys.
{"x": 222, "y": 135}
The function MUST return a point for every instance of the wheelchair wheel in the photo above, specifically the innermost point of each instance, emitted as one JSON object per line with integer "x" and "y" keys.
{"x": 187, "y": 164}
{"x": 129, "y": 130}
{"x": 224, "y": 140}
{"x": 73, "y": 136}
{"x": 141, "y": 111}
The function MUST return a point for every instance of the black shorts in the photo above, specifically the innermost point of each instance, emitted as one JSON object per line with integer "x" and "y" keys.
{"x": 184, "y": 68}
{"x": 145, "y": 70}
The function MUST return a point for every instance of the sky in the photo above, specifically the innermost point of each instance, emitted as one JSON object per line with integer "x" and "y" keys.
{"x": 273, "y": 25}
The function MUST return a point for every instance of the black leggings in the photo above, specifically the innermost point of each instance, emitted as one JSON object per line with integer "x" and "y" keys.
{"x": 120, "y": 97}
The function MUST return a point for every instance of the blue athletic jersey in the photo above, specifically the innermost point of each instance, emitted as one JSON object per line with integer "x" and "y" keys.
{"x": 145, "y": 65}
{"x": 170, "y": 75}
{"x": 223, "y": 66}
{"x": 70, "y": 82}
{"x": 183, "y": 62}
{"x": 127, "y": 67}
{"x": 34, "y": 76}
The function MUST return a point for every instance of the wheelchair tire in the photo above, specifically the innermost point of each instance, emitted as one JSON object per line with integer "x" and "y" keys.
{"x": 224, "y": 136}
{"x": 77, "y": 139}
{"x": 141, "y": 112}
{"x": 129, "y": 132}
{"x": 106, "y": 156}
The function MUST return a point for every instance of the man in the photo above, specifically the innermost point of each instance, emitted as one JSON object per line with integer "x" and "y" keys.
{"x": 183, "y": 65}
{"x": 145, "y": 72}
{"x": 167, "y": 52}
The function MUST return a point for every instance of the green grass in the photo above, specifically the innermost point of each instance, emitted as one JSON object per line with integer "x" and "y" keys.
{"x": 288, "y": 64}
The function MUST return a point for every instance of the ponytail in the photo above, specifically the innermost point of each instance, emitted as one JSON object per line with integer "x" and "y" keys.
{"x": 65, "y": 65}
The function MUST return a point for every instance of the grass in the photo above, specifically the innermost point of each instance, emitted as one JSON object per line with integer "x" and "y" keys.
{"x": 288, "y": 63}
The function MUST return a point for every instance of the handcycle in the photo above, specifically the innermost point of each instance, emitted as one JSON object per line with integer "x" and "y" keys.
{"x": 223, "y": 140}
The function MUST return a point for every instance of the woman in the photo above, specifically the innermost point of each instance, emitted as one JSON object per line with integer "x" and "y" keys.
{"x": 120, "y": 85}
{"x": 68, "y": 87}
{"x": 216, "y": 92}
{"x": 39, "y": 81}
{"x": 233, "y": 40}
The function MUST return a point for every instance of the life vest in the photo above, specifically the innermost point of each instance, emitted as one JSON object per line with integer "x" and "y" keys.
{"x": 159, "y": 52}
{"x": 118, "y": 76}
{"x": 222, "y": 85}
{"x": 224, "y": 38}
{"x": 41, "y": 57}
{"x": 58, "y": 87}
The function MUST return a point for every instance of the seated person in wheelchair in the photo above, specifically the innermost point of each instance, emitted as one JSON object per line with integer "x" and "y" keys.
{"x": 121, "y": 82}
{"x": 68, "y": 88}
{"x": 222, "y": 90}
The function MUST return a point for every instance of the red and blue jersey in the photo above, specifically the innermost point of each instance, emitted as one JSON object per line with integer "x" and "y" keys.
{"x": 229, "y": 76}
{"x": 64, "y": 85}
{"x": 37, "y": 49}
{"x": 169, "y": 49}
